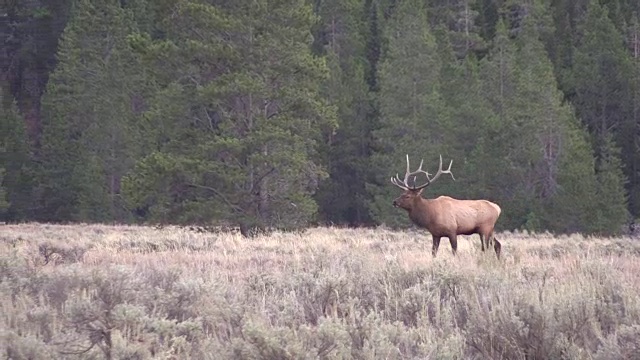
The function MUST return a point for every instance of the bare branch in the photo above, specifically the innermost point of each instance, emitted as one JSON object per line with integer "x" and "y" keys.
{"x": 219, "y": 194}
{"x": 260, "y": 178}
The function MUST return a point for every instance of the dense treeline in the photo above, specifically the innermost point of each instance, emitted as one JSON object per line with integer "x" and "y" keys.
{"x": 285, "y": 113}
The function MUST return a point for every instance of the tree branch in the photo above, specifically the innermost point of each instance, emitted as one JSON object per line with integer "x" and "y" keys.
{"x": 259, "y": 180}
{"x": 220, "y": 195}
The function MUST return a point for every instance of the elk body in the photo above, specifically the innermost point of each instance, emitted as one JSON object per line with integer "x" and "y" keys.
{"x": 445, "y": 216}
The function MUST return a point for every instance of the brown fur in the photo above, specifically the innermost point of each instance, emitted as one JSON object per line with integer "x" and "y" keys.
{"x": 448, "y": 217}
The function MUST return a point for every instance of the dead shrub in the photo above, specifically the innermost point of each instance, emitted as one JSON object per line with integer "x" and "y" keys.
{"x": 57, "y": 253}
{"x": 622, "y": 344}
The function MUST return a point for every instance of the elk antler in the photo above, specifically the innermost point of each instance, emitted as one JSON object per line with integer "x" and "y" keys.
{"x": 403, "y": 184}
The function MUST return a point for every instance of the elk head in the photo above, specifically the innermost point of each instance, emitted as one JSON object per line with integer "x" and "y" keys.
{"x": 412, "y": 193}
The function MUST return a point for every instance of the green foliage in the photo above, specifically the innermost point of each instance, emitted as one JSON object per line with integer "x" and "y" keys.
{"x": 412, "y": 113}
{"x": 4, "y": 204}
{"x": 92, "y": 108}
{"x": 468, "y": 111}
{"x": 16, "y": 165}
{"x": 284, "y": 113}
{"x": 463, "y": 21}
{"x": 514, "y": 140}
{"x": 604, "y": 103}
{"x": 601, "y": 99}
{"x": 571, "y": 209}
{"x": 554, "y": 190}
{"x": 632, "y": 129}
{"x": 29, "y": 33}
{"x": 237, "y": 120}
{"x": 609, "y": 207}
{"x": 341, "y": 35}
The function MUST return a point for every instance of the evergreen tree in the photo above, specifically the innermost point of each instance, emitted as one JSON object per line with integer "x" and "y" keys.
{"x": 563, "y": 165}
{"x": 602, "y": 97}
{"x": 603, "y": 86}
{"x": 342, "y": 34}
{"x": 610, "y": 205}
{"x": 373, "y": 50}
{"x": 468, "y": 109}
{"x": 92, "y": 109}
{"x": 413, "y": 116}
{"x": 545, "y": 165}
{"x": 4, "y": 204}
{"x": 460, "y": 19}
{"x": 268, "y": 113}
{"x": 633, "y": 165}
{"x": 497, "y": 162}
{"x": 488, "y": 15}
{"x": 16, "y": 166}
{"x": 29, "y": 32}
{"x": 570, "y": 210}
{"x": 239, "y": 118}
{"x": 562, "y": 45}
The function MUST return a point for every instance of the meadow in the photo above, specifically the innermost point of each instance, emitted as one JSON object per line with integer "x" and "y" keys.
{"x": 129, "y": 292}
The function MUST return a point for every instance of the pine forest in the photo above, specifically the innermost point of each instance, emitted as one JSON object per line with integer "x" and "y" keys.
{"x": 288, "y": 114}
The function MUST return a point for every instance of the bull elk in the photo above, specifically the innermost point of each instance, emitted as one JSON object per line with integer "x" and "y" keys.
{"x": 445, "y": 216}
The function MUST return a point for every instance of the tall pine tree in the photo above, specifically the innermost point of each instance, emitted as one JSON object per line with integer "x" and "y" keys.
{"x": 17, "y": 196}
{"x": 92, "y": 107}
{"x": 604, "y": 100}
{"x": 413, "y": 115}
{"x": 238, "y": 119}
{"x": 342, "y": 37}
{"x": 468, "y": 109}
{"x": 633, "y": 165}
{"x": 534, "y": 156}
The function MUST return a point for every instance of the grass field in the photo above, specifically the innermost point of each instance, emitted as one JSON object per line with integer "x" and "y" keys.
{"x": 118, "y": 292}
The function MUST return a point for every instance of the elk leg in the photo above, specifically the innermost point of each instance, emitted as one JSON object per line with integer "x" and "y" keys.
{"x": 481, "y": 241}
{"x": 454, "y": 244}
{"x": 490, "y": 239}
{"x": 436, "y": 244}
{"x": 497, "y": 246}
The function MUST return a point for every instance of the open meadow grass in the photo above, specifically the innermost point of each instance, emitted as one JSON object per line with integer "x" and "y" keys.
{"x": 125, "y": 292}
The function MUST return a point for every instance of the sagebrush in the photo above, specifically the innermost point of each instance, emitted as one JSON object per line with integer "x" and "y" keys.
{"x": 115, "y": 292}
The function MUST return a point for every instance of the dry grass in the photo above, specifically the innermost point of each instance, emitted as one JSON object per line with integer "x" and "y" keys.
{"x": 125, "y": 292}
